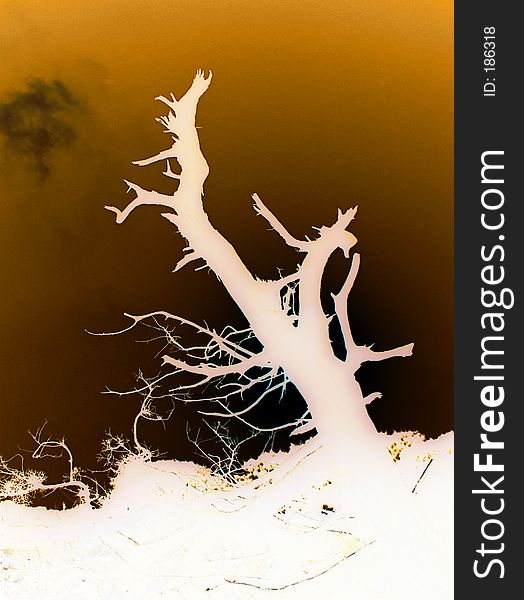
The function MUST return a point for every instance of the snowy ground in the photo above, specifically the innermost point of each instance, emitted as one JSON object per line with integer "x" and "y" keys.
{"x": 171, "y": 530}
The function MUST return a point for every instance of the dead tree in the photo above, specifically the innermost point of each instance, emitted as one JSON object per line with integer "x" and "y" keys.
{"x": 295, "y": 341}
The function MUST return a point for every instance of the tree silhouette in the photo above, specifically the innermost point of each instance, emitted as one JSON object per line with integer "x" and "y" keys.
{"x": 285, "y": 315}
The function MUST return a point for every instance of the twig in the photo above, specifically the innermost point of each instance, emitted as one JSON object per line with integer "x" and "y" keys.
{"x": 293, "y": 583}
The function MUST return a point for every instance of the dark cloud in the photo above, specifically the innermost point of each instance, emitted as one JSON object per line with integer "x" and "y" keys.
{"x": 32, "y": 122}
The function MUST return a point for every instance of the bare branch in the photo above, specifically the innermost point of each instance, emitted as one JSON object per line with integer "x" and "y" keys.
{"x": 306, "y": 427}
{"x": 246, "y": 409}
{"x": 254, "y": 427}
{"x": 369, "y": 355}
{"x": 149, "y": 413}
{"x": 238, "y": 388}
{"x": 169, "y": 173}
{"x": 186, "y": 260}
{"x": 263, "y": 211}
{"x": 173, "y": 103}
{"x": 341, "y": 304}
{"x": 227, "y": 463}
{"x": 163, "y": 155}
{"x": 371, "y": 397}
{"x": 356, "y": 354}
{"x": 143, "y": 197}
{"x": 222, "y": 342}
{"x": 185, "y": 149}
{"x": 191, "y": 97}
{"x": 258, "y": 360}
{"x": 289, "y": 281}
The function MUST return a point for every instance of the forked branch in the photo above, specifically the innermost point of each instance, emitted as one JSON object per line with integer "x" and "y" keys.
{"x": 356, "y": 354}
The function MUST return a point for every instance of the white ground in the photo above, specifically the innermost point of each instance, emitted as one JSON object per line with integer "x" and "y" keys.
{"x": 170, "y": 530}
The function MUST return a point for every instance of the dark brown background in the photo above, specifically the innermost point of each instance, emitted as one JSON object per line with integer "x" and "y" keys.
{"x": 314, "y": 105}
